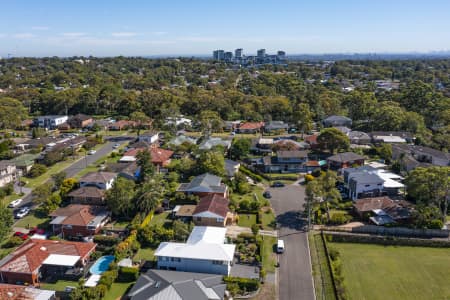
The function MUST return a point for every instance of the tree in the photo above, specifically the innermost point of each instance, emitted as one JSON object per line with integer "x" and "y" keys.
{"x": 37, "y": 170}
{"x": 144, "y": 161}
{"x": 12, "y": 112}
{"x": 58, "y": 179}
{"x": 212, "y": 162}
{"x": 140, "y": 118}
{"x": 429, "y": 217}
{"x": 210, "y": 121}
{"x": 430, "y": 187}
{"x": 240, "y": 148}
{"x": 50, "y": 204}
{"x": 42, "y": 193}
{"x": 181, "y": 230}
{"x": 333, "y": 139}
{"x": 67, "y": 186}
{"x": 360, "y": 105}
{"x": 6, "y": 221}
{"x": 150, "y": 194}
{"x": 119, "y": 197}
{"x": 385, "y": 152}
{"x": 303, "y": 117}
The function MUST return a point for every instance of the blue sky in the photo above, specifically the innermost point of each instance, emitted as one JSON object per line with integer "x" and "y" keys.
{"x": 177, "y": 27}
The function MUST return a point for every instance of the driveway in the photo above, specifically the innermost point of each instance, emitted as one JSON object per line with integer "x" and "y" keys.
{"x": 295, "y": 278}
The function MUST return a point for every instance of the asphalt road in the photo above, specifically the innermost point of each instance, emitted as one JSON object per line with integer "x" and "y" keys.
{"x": 80, "y": 164}
{"x": 295, "y": 278}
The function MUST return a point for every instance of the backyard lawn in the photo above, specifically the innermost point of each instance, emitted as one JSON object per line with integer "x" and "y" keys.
{"x": 388, "y": 272}
{"x": 118, "y": 289}
{"x": 144, "y": 254}
{"x": 247, "y": 220}
{"x": 160, "y": 218}
{"x": 60, "y": 285}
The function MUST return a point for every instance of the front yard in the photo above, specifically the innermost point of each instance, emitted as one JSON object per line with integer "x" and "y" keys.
{"x": 394, "y": 272}
{"x": 34, "y": 219}
{"x": 247, "y": 220}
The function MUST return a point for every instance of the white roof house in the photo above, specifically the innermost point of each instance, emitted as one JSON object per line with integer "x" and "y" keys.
{"x": 202, "y": 250}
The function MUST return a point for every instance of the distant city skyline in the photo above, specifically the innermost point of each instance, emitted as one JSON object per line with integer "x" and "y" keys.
{"x": 176, "y": 27}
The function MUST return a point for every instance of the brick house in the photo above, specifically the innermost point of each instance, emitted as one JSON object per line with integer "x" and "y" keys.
{"x": 78, "y": 220}
{"x": 250, "y": 127}
{"x": 22, "y": 292}
{"x": 212, "y": 210}
{"x": 204, "y": 185}
{"x": 7, "y": 172}
{"x": 80, "y": 121}
{"x": 36, "y": 259}
{"x": 345, "y": 160}
{"x": 89, "y": 195}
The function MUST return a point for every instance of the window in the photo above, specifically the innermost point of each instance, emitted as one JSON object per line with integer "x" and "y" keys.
{"x": 220, "y": 220}
{"x": 367, "y": 185}
{"x": 217, "y": 262}
{"x": 177, "y": 259}
{"x": 68, "y": 226}
{"x": 199, "y": 219}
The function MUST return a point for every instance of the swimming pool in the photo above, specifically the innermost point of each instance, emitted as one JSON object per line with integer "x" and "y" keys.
{"x": 101, "y": 265}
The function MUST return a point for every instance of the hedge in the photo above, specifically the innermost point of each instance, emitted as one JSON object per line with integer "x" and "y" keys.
{"x": 128, "y": 274}
{"x": 245, "y": 285}
{"x": 105, "y": 240}
{"x": 256, "y": 177}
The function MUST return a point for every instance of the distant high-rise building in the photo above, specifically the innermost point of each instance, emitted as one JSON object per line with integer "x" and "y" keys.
{"x": 218, "y": 54}
{"x": 261, "y": 53}
{"x": 238, "y": 53}
{"x": 281, "y": 54}
{"x": 228, "y": 56}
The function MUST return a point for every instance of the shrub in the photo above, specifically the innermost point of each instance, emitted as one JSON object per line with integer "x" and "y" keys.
{"x": 106, "y": 240}
{"x": 309, "y": 177}
{"x": 255, "y": 229}
{"x": 128, "y": 274}
{"x": 245, "y": 285}
{"x": 108, "y": 278}
{"x": 13, "y": 241}
{"x": 37, "y": 170}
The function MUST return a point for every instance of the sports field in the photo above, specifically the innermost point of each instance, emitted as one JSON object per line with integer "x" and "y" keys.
{"x": 394, "y": 272}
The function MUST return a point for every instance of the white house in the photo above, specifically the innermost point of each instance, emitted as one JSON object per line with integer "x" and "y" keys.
{"x": 7, "y": 172}
{"x": 50, "y": 122}
{"x": 101, "y": 180}
{"x": 149, "y": 137}
{"x": 203, "y": 252}
{"x": 180, "y": 120}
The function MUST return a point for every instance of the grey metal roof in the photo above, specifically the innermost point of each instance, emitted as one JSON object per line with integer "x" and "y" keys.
{"x": 364, "y": 177}
{"x": 346, "y": 156}
{"x": 187, "y": 285}
{"x": 204, "y": 183}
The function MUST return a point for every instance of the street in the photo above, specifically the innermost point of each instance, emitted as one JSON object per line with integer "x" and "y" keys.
{"x": 295, "y": 278}
{"x": 79, "y": 165}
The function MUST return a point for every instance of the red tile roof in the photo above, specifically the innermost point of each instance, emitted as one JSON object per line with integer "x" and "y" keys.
{"x": 159, "y": 155}
{"x": 30, "y": 255}
{"x": 369, "y": 204}
{"x": 251, "y": 125}
{"x": 77, "y": 214}
{"x": 311, "y": 139}
{"x": 213, "y": 203}
{"x": 18, "y": 292}
{"x": 312, "y": 163}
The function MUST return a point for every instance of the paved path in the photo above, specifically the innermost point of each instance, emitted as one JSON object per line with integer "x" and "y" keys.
{"x": 268, "y": 232}
{"x": 295, "y": 278}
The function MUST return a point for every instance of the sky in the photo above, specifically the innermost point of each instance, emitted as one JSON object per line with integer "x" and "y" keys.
{"x": 197, "y": 27}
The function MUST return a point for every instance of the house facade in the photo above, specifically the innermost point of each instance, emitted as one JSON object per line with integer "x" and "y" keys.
{"x": 89, "y": 195}
{"x": 212, "y": 210}
{"x": 334, "y": 121}
{"x": 49, "y": 122}
{"x": 204, "y": 185}
{"x": 345, "y": 160}
{"x": 78, "y": 220}
{"x": 276, "y": 127}
{"x": 250, "y": 127}
{"x": 290, "y": 161}
{"x": 7, "y": 172}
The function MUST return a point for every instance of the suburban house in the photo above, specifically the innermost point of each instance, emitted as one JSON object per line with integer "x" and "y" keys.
{"x": 149, "y": 137}
{"x": 49, "y": 122}
{"x": 80, "y": 121}
{"x": 345, "y": 160}
{"x": 122, "y": 125}
{"x": 102, "y": 180}
{"x": 262, "y": 145}
{"x": 231, "y": 125}
{"x": 421, "y": 154}
{"x": 231, "y": 167}
{"x": 37, "y": 259}
{"x": 172, "y": 285}
{"x": 311, "y": 140}
{"x": 250, "y": 127}
{"x": 24, "y": 163}
{"x": 128, "y": 170}
{"x": 382, "y": 210}
{"x": 290, "y": 161}
{"x": 212, "y": 210}
{"x": 204, "y": 185}
{"x": 77, "y": 220}
{"x": 212, "y": 142}
{"x": 392, "y": 137}
{"x": 276, "y": 127}
{"x": 7, "y": 172}
{"x": 179, "y": 121}
{"x": 359, "y": 138}
{"x": 90, "y": 195}
{"x": 183, "y": 139}
{"x": 160, "y": 157}
{"x": 334, "y": 121}
{"x": 22, "y": 292}
{"x": 205, "y": 251}
{"x": 367, "y": 181}
{"x": 343, "y": 129}
{"x": 287, "y": 144}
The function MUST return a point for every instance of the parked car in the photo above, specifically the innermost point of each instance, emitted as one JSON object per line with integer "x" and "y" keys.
{"x": 267, "y": 195}
{"x": 90, "y": 152}
{"x": 36, "y": 230}
{"x": 280, "y": 246}
{"x": 15, "y": 203}
{"x": 22, "y": 235}
{"x": 278, "y": 184}
{"x": 116, "y": 146}
{"x": 22, "y": 212}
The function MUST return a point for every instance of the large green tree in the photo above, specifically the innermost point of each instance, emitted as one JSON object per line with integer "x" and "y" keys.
{"x": 303, "y": 117}
{"x": 6, "y": 221}
{"x": 240, "y": 148}
{"x": 12, "y": 112}
{"x": 212, "y": 162}
{"x": 332, "y": 139}
{"x": 119, "y": 198}
{"x": 150, "y": 194}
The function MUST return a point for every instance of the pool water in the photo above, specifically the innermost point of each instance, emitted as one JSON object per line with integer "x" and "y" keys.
{"x": 101, "y": 265}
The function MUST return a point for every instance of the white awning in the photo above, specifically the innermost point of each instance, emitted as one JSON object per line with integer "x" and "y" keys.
{"x": 127, "y": 159}
{"x": 61, "y": 260}
{"x": 58, "y": 220}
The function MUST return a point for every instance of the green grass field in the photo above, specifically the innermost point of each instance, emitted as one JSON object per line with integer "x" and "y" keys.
{"x": 389, "y": 272}
{"x": 118, "y": 289}
{"x": 247, "y": 220}
{"x": 268, "y": 255}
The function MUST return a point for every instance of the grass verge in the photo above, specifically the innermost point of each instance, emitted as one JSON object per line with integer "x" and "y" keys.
{"x": 268, "y": 254}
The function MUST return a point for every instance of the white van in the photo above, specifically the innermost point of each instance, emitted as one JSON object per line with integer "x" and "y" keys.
{"x": 280, "y": 246}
